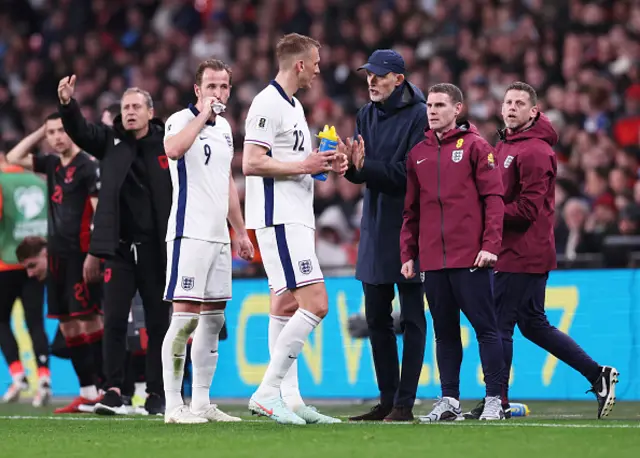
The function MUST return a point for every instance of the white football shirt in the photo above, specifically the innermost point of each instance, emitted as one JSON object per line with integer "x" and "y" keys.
{"x": 279, "y": 124}
{"x": 200, "y": 180}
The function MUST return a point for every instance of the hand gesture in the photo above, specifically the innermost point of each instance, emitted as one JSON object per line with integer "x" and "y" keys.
{"x": 341, "y": 163}
{"x": 485, "y": 259}
{"x": 318, "y": 162}
{"x": 357, "y": 157}
{"x": 408, "y": 270}
{"x": 346, "y": 149}
{"x": 244, "y": 247}
{"x": 91, "y": 269}
{"x": 66, "y": 87}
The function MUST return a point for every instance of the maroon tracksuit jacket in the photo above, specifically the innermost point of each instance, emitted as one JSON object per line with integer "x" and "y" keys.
{"x": 453, "y": 205}
{"x": 528, "y": 166}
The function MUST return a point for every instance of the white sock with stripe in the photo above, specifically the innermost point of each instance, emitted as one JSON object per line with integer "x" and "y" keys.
{"x": 286, "y": 350}
{"x": 289, "y": 389}
{"x": 204, "y": 354}
{"x": 174, "y": 351}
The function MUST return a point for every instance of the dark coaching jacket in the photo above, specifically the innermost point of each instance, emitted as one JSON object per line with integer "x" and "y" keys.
{"x": 116, "y": 150}
{"x": 389, "y": 129}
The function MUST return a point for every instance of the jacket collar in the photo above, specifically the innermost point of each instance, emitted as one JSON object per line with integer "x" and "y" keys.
{"x": 394, "y": 100}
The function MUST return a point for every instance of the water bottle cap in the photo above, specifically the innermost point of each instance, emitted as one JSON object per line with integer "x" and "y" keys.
{"x": 329, "y": 133}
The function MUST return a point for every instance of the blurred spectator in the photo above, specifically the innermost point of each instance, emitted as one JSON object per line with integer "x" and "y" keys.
{"x": 582, "y": 57}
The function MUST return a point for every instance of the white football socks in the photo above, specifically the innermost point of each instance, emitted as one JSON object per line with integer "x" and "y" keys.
{"x": 204, "y": 355}
{"x": 174, "y": 351}
{"x": 286, "y": 350}
{"x": 289, "y": 389}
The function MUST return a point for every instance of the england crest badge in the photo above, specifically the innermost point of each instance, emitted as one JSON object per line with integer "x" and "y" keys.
{"x": 188, "y": 283}
{"x": 456, "y": 155}
{"x": 305, "y": 266}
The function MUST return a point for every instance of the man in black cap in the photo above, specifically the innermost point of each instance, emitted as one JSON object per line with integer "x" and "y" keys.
{"x": 390, "y": 126}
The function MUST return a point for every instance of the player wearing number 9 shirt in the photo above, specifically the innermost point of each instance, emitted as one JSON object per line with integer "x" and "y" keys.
{"x": 279, "y": 163}
{"x": 198, "y": 142}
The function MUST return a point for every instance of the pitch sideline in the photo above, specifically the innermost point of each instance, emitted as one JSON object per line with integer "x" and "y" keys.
{"x": 502, "y": 424}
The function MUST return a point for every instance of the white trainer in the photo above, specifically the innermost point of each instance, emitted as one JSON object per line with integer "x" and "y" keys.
{"x": 182, "y": 416}
{"x": 212, "y": 413}
{"x": 492, "y": 409}
{"x": 443, "y": 410}
{"x": 312, "y": 417}
{"x": 275, "y": 409}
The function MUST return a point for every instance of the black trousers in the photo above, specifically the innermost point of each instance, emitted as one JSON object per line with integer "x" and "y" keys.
{"x": 520, "y": 300}
{"x": 395, "y": 389}
{"x": 136, "y": 267}
{"x": 16, "y": 284}
{"x": 450, "y": 291}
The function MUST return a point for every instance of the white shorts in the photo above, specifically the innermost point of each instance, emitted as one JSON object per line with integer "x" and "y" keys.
{"x": 198, "y": 271}
{"x": 289, "y": 256}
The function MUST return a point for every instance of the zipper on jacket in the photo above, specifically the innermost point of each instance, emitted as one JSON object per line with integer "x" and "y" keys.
{"x": 444, "y": 249}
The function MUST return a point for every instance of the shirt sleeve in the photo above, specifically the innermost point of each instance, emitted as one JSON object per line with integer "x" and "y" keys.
{"x": 486, "y": 172}
{"x": 410, "y": 232}
{"x": 92, "y": 178}
{"x": 262, "y": 124}
{"x": 40, "y": 161}
{"x": 489, "y": 184}
{"x": 175, "y": 123}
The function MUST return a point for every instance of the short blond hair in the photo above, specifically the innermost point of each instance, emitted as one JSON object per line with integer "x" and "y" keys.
{"x": 136, "y": 90}
{"x": 294, "y": 44}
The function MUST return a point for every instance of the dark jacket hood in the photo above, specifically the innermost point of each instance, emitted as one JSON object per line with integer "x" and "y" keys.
{"x": 403, "y": 96}
{"x": 541, "y": 129}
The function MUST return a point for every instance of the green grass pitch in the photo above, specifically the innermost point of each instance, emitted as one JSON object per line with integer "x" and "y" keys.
{"x": 554, "y": 429}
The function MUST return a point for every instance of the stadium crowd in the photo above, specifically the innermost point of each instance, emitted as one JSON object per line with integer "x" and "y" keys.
{"x": 581, "y": 56}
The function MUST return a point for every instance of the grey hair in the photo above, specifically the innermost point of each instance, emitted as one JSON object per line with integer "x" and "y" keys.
{"x": 579, "y": 203}
{"x": 145, "y": 94}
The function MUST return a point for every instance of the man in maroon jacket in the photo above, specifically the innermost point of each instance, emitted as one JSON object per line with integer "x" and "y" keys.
{"x": 453, "y": 212}
{"x": 528, "y": 253}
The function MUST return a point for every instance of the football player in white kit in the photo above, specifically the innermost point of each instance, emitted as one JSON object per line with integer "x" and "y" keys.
{"x": 279, "y": 163}
{"x": 198, "y": 142}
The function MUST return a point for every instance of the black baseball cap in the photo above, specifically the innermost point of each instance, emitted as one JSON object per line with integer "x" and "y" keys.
{"x": 384, "y": 61}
